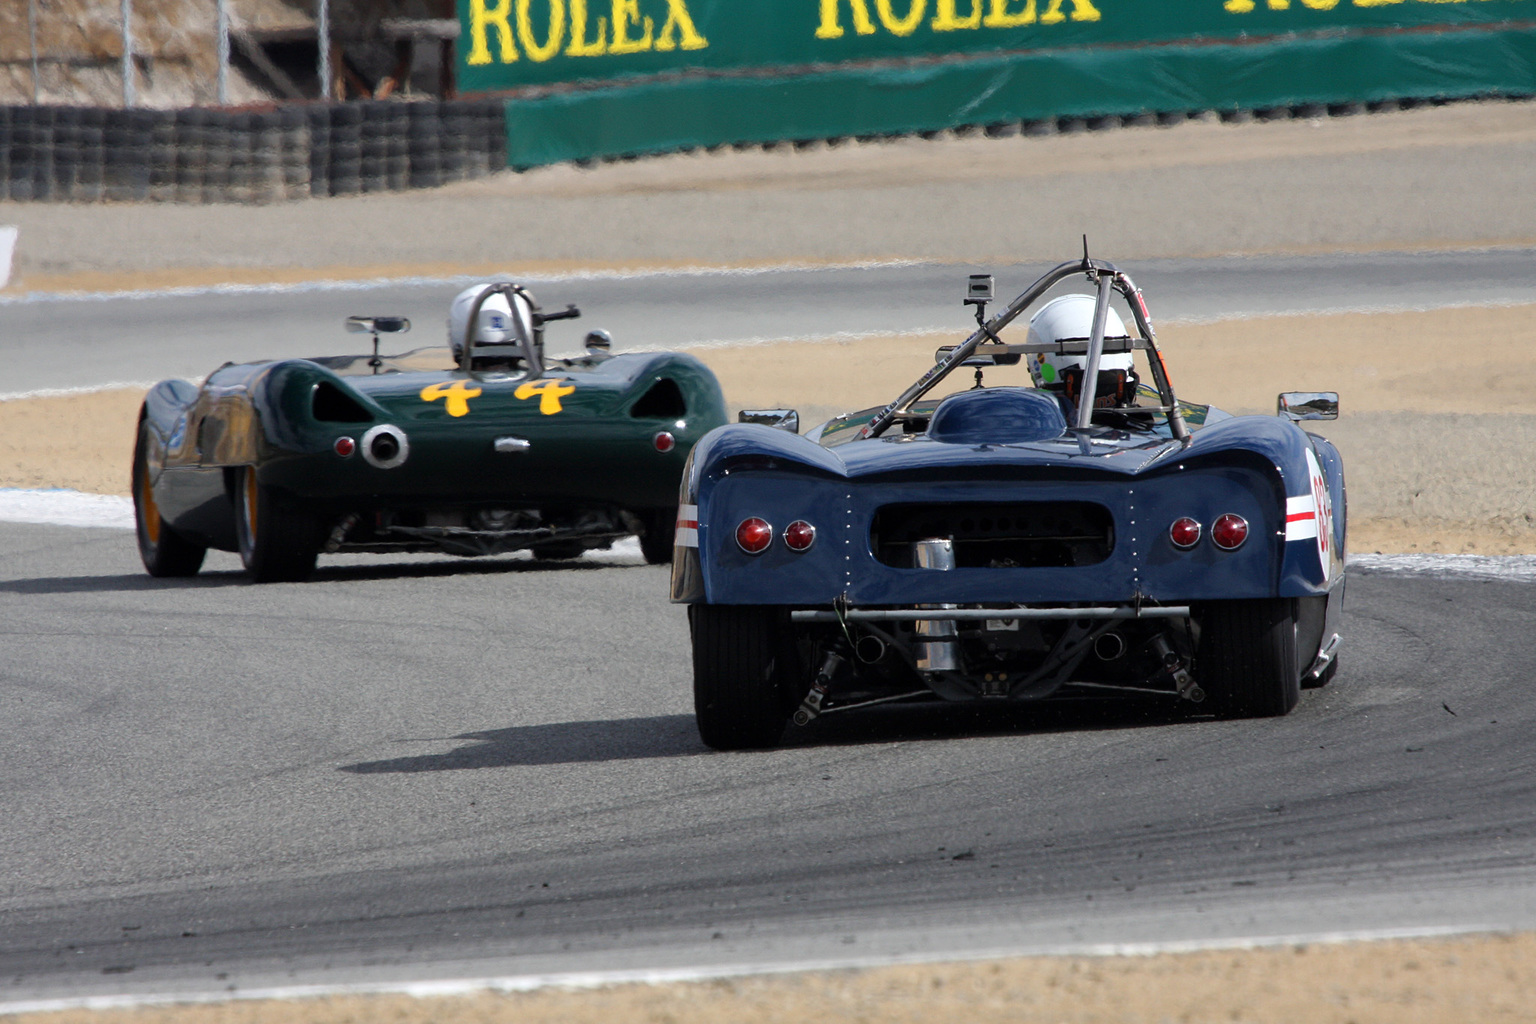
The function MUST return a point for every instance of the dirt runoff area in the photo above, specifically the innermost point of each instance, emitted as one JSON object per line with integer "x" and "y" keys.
{"x": 1436, "y": 433}
{"x": 1485, "y": 979}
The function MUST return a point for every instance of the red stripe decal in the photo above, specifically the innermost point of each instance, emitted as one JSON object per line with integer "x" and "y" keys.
{"x": 1298, "y": 517}
{"x": 687, "y": 524}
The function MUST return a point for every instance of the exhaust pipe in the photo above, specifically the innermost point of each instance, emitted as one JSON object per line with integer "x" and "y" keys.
{"x": 1109, "y": 647}
{"x": 869, "y": 649}
{"x": 938, "y": 655}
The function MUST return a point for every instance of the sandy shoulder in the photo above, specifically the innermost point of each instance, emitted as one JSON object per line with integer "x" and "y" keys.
{"x": 1486, "y": 979}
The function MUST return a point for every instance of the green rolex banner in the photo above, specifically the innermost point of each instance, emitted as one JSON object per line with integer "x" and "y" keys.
{"x": 508, "y": 44}
{"x": 592, "y": 78}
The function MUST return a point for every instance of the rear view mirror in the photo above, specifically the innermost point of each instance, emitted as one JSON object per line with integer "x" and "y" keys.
{"x": 1309, "y": 405}
{"x": 378, "y": 324}
{"x": 782, "y": 419}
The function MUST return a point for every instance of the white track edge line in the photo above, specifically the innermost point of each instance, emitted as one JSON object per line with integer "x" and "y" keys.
{"x": 363, "y": 283}
{"x": 579, "y": 980}
{"x": 87, "y": 389}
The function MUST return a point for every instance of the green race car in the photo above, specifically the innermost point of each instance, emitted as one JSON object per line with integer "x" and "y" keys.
{"x": 482, "y": 447}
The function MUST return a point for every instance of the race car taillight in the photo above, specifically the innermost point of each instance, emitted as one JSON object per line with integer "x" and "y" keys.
{"x": 1229, "y": 531}
{"x": 345, "y": 446}
{"x": 799, "y": 535}
{"x": 754, "y": 535}
{"x": 1185, "y": 533}
{"x": 664, "y": 442}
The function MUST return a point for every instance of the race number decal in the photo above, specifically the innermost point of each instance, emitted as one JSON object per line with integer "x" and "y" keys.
{"x": 1310, "y": 516}
{"x": 455, "y": 396}
{"x": 549, "y": 392}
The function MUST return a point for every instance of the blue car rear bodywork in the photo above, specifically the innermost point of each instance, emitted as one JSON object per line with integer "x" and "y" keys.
{"x": 1059, "y": 573}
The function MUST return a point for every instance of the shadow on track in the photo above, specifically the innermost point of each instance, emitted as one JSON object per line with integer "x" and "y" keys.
{"x": 622, "y": 739}
{"x": 125, "y": 583}
{"x": 666, "y": 736}
{"x": 939, "y": 721}
{"x": 136, "y": 582}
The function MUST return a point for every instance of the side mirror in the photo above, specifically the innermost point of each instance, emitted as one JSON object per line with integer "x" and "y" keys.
{"x": 377, "y": 324}
{"x": 782, "y": 419}
{"x": 1308, "y": 405}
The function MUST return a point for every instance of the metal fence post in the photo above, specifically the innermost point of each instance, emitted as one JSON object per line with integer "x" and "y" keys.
{"x": 127, "y": 53}
{"x": 323, "y": 38}
{"x": 223, "y": 53}
{"x": 32, "y": 40}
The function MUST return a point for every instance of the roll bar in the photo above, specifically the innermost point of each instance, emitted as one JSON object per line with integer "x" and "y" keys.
{"x": 1106, "y": 277}
{"x": 533, "y": 348}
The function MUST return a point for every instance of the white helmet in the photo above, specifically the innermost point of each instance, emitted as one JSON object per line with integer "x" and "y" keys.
{"x": 497, "y": 326}
{"x": 1070, "y": 318}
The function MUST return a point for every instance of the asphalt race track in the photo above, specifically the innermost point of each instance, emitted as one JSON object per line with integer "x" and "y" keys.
{"x": 435, "y": 768}
{"x": 426, "y": 767}
{"x": 55, "y": 342}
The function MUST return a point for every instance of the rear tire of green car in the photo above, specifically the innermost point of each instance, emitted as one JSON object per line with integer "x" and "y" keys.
{"x": 660, "y": 529}
{"x": 278, "y": 543}
{"x": 740, "y": 674}
{"x": 1247, "y": 660}
{"x": 166, "y": 553}
{"x": 559, "y": 550}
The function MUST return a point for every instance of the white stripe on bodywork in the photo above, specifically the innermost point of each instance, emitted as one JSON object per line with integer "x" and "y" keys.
{"x": 687, "y": 527}
{"x": 1300, "y": 518}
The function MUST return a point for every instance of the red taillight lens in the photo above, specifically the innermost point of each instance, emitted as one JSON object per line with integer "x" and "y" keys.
{"x": 1185, "y": 532}
{"x": 664, "y": 441}
{"x": 799, "y": 535}
{"x": 754, "y": 535}
{"x": 1229, "y": 531}
{"x": 345, "y": 446}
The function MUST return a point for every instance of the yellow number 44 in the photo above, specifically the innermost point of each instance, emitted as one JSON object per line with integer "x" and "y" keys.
{"x": 549, "y": 392}
{"x": 455, "y": 396}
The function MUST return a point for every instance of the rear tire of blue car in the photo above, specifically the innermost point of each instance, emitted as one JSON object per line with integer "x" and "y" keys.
{"x": 740, "y": 677}
{"x": 1246, "y": 660}
{"x": 278, "y": 543}
{"x": 166, "y": 553}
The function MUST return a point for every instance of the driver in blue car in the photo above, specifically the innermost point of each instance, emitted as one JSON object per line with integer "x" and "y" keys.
{"x": 1070, "y": 318}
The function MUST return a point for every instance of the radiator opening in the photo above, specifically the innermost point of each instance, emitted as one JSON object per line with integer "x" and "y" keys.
{"x": 998, "y": 535}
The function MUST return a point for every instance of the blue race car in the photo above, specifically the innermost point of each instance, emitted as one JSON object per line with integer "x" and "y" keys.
{"x": 1091, "y": 535}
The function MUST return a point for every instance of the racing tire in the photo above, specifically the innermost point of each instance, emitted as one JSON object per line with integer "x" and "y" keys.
{"x": 278, "y": 544}
{"x": 660, "y": 531}
{"x": 166, "y": 553}
{"x": 1246, "y": 657}
{"x": 739, "y": 680}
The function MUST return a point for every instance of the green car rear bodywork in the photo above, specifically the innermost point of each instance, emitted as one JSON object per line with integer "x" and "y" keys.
{"x": 400, "y": 456}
